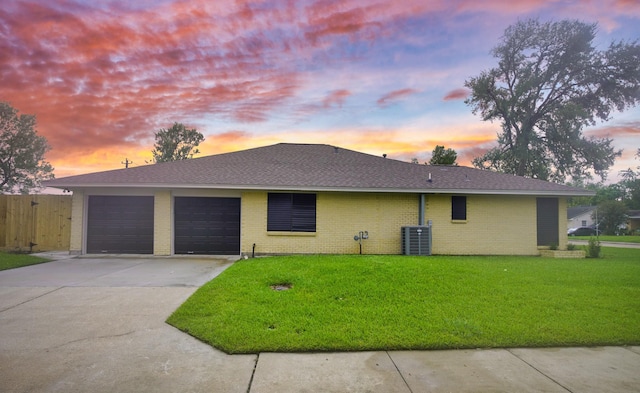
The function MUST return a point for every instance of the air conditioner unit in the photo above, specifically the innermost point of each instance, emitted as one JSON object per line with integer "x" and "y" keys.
{"x": 416, "y": 240}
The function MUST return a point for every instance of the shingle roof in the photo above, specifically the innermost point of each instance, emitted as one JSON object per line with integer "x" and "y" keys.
{"x": 579, "y": 210}
{"x": 314, "y": 167}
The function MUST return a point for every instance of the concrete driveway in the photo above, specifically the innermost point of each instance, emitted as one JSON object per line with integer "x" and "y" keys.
{"x": 79, "y": 325}
{"x": 97, "y": 325}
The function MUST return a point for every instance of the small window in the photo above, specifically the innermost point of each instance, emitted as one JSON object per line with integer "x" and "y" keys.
{"x": 584, "y": 223}
{"x": 291, "y": 212}
{"x": 458, "y": 207}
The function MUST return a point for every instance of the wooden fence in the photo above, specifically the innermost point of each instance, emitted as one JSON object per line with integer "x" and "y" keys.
{"x": 35, "y": 222}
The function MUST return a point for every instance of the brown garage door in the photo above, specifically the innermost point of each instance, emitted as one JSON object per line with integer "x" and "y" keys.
{"x": 205, "y": 225}
{"x": 120, "y": 224}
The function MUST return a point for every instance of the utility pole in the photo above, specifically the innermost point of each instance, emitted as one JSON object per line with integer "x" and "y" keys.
{"x": 126, "y": 163}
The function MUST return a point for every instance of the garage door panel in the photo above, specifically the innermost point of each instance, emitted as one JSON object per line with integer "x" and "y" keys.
{"x": 207, "y": 225}
{"x": 120, "y": 224}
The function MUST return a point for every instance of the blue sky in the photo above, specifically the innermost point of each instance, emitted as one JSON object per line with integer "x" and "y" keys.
{"x": 377, "y": 76}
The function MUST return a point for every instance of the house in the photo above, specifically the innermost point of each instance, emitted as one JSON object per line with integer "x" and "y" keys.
{"x": 580, "y": 216}
{"x": 633, "y": 225}
{"x": 307, "y": 198}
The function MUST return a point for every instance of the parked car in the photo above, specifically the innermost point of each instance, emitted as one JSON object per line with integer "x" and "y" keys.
{"x": 582, "y": 231}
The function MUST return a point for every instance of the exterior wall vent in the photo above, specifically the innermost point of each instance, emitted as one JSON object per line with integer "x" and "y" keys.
{"x": 416, "y": 240}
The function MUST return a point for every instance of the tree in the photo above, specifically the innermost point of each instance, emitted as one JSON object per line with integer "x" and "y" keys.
{"x": 632, "y": 193}
{"x": 442, "y": 156}
{"x": 22, "y": 163}
{"x": 630, "y": 185}
{"x": 176, "y": 143}
{"x": 610, "y": 215}
{"x": 549, "y": 84}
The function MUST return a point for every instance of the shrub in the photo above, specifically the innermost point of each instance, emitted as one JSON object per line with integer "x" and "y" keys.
{"x": 593, "y": 248}
{"x": 553, "y": 246}
{"x": 571, "y": 247}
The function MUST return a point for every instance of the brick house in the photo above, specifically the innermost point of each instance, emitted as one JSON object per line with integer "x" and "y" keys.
{"x": 304, "y": 198}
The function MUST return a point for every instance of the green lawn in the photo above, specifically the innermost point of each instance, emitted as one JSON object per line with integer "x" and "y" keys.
{"x": 622, "y": 239}
{"x": 349, "y": 303}
{"x": 12, "y": 261}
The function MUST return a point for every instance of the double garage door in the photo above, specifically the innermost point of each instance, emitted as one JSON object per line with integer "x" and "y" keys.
{"x": 124, "y": 225}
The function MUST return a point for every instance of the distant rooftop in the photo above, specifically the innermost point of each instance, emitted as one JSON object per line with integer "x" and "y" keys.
{"x": 576, "y": 211}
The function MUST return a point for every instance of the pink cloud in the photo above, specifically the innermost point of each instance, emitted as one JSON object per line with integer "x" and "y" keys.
{"x": 457, "y": 94}
{"x": 336, "y": 97}
{"x": 395, "y": 96}
{"x": 617, "y": 130}
{"x": 351, "y": 22}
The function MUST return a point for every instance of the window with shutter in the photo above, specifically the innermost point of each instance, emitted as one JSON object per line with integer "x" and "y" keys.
{"x": 289, "y": 212}
{"x": 458, "y": 207}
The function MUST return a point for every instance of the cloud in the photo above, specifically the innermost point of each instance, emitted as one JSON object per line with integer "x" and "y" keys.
{"x": 352, "y": 22}
{"x": 457, "y": 94}
{"x": 336, "y": 97}
{"x": 103, "y": 76}
{"x": 615, "y": 130}
{"x": 395, "y": 95}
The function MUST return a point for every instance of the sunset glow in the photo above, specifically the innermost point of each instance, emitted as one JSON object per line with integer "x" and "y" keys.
{"x": 377, "y": 76}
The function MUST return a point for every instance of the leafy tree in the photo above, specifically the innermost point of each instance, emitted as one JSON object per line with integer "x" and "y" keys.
{"x": 584, "y": 200}
{"x": 632, "y": 194}
{"x": 22, "y": 163}
{"x": 176, "y": 143}
{"x": 442, "y": 156}
{"x": 610, "y": 215}
{"x": 549, "y": 84}
{"x": 630, "y": 184}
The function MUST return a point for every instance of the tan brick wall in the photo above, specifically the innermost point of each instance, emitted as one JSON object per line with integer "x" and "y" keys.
{"x": 77, "y": 222}
{"x": 162, "y": 214}
{"x": 495, "y": 225}
{"x": 562, "y": 223}
{"x": 340, "y": 216}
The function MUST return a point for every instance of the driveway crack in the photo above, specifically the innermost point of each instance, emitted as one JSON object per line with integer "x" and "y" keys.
{"x": 29, "y": 300}
{"x": 93, "y": 338}
{"x": 253, "y": 373}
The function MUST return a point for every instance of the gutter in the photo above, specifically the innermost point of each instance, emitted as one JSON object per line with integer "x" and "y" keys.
{"x": 468, "y": 191}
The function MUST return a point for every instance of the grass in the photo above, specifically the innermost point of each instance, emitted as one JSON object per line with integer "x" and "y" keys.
{"x": 602, "y": 238}
{"x": 12, "y": 261}
{"x": 352, "y": 303}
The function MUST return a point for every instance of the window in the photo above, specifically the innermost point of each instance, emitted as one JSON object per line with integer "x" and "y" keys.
{"x": 584, "y": 223}
{"x": 458, "y": 207}
{"x": 291, "y": 212}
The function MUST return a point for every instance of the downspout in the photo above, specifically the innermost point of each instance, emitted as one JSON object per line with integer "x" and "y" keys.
{"x": 421, "y": 210}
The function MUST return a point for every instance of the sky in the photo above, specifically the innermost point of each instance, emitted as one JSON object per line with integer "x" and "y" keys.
{"x": 376, "y": 76}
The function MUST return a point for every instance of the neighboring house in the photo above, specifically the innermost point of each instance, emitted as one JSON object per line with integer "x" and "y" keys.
{"x": 580, "y": 216}
{"x": 303, "y": 198}
{"x": 634, "y": 221}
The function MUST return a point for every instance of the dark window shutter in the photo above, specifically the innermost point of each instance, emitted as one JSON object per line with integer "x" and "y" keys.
{"x": 303, "y": 216}
{"x": 291, "y": 212}
{"x": 279, "y": 212}
{"x": 547, "y": 215}
{"x": 458, "y": 207}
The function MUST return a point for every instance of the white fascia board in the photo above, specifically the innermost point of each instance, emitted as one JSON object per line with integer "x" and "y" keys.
{"x": 558, "y": 193}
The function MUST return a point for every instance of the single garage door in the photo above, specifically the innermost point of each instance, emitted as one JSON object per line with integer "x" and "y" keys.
{"x": 120, "y": 224}
{"x": 206, "y": 225}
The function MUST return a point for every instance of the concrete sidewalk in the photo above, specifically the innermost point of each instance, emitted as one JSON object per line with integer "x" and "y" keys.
{"x": 83, "y": 324}
{"x": 603, "y": 369}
